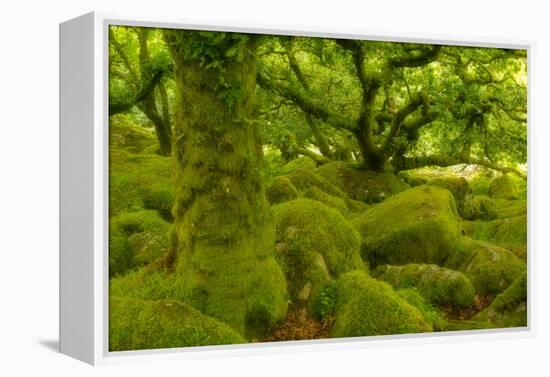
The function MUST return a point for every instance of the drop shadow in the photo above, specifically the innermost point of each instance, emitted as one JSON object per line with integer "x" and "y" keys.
{"x": 51, "y": 344}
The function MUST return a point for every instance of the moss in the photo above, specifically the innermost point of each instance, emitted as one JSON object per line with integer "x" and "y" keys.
{"x": 419, "y": 225}
{"x": 356, "y": 207}
{"x": 430, "y": 313}
{"x": 503, "y": 187}
{"x": 413, "y": 179}
{"x": 510, "y": 208}
{"x": 508, "y": 309}
{"x": 125, "y": 134}
{"x": 479, "y": 207}
{"x": 314, "y": 244}
{"x": 480, "y": 184}
{"x": 363, "y": 185}
{"x": 138, "y": 325}
{"x": 328, "y": 200}
{"x": 136, "y": 238}
{"x": 458, "y": 186}
{"x": 509, "y": 233}
{"x": 281, "y": 190}
{"x": 304, "y": 179}
{"x": 160, "y": 198}
{"x": 490, "y": 268}
{"x": 461, "y": 325}
{"x": 302, "y": 162}
{"x": 133, "y": 177}
{"x": 438, "y": 285}
{"x": 370, "y": 307}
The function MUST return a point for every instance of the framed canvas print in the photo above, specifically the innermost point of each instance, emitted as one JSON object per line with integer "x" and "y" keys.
{"x": 228, "y": 187}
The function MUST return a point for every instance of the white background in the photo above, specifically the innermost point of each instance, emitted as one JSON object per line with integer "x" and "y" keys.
{"x": 29, "y": 184}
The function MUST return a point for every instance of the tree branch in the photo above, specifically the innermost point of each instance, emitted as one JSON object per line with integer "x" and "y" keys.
{"x": 410, "y": 61}
{"x": 120, "y": 107}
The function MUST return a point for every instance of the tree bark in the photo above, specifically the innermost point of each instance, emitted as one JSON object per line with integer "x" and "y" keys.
{"x": 223, "y": 223}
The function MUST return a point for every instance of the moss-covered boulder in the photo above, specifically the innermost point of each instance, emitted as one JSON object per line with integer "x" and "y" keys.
{"x": 139, "y": 181}
{"x": 490, "y": 268}
{"x": 509, "y": 233}
{"x": 479, "y": 207}
{"x": 327, "y": 199}
{"x": 136, "y": 238}
{"x": 304, "y": 179}
{"x": 139, "y": 325}
{"x": 281, "y": 190}
{"x": 419, "y": 225}
{"x": 431, "y": 314}
{"x": 125, "y": 134}
{"x": 508, "y": 309}
{"x": 367, "y": 306}
{"x": 458, "y": 186}
{"x": 503, "y": 187}
{"x": 510, "y": 208}
{"x": 438, "y": 285}
{"x": 314, "y": 245}
{"x": 412, "y": 178}
{"x": 302, "y": 162}
{"x": 363, "y": 185}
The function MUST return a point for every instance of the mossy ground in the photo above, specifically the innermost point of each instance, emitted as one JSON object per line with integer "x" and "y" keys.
{"x": 318, "y": 264}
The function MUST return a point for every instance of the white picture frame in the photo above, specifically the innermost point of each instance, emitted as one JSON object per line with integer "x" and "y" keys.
{"x": 84, "y": 191}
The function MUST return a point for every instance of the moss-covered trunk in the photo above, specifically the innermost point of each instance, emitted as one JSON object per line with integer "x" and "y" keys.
{"x": 223, "y": 223}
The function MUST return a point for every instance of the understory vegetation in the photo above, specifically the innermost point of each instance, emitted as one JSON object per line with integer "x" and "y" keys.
{"x": 269, "y": 188}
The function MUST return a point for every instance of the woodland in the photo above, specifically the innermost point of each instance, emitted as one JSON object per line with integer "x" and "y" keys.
{"x": 271, "y": 188}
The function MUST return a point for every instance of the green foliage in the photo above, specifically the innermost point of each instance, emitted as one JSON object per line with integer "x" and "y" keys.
{"x": 479, "y": 207}
{"x": 503, "y": 187}
{"x": 370, "y": 307}
{"x": 281, "y": 190}
{"x": 509, "y": 308}
{"x": 314, "y": 244}
{"x": 419, "y": 225}
{"x": 125, "y": 134}
{"x": 361, "y": 185}
{"x": 325, "y": 303}
{"x": 436, "y": 284}
{"x": 138, "y": 325}
{"x": 490, "y": 268}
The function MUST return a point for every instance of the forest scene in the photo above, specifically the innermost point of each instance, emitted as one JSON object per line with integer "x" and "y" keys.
{"x": 271, "y": 188}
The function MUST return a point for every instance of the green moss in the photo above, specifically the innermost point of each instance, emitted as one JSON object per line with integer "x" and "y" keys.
{"x": 160, "y": 198}
{"x": 462, "y": 325}
{"x": 314, "y": 244}
{"x": 138, "y": 325}
{"x": 419, "y": 225}
{"x": 509, "y": 233}
{"x": 133, "y": 178}
{"x": 125, "y": 134}
{"x": 479, "y": 207}
{"x": 136, "y": 238}
{"x": 430, "y": 313}
{"x": 490, "y": 268}
{"x": 356, "y": 207}
{"x": 458, "y": 186}
{"x": 370, "y": 307}
{"x": 509, "y": 308}
{"x": 413, "y": 179}
{"x": 304, "y": 179}
{"x": 281, "y": 190}
{"x": 302, "y": 162}
{"x": 363, "y": 185}
{"x": 328, "y": 200}
{"x": 436, "y": 284}
{"x": 503, "y": 187}
{"x": 510, "y": 208}
{"x": 480, "y": 184}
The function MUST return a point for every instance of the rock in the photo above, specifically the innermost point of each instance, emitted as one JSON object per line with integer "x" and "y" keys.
{"x": 419, "y": 225}
{"x": 503, "y": 187}
{"x": 281, "y": 190}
